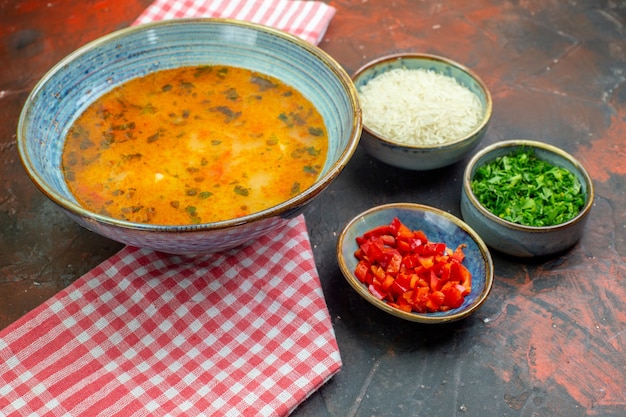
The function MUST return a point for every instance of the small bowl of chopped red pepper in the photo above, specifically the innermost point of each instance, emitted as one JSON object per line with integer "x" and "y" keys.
{"x": 526, "y": 198}
{"x": 416, "y": 262}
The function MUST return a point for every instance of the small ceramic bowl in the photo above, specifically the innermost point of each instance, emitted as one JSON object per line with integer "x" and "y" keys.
{"x": 423, "y": 157}
{"x": 438, "y": 226}
{"x": 516, "y": 239}
{"x": 98, "y": 67}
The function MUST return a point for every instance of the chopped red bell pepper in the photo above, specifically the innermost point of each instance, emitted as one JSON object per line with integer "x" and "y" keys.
{"x": 401, "y": 267}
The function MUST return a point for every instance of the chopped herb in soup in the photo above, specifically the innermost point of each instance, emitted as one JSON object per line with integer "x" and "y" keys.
{"x": 194, "y": 145}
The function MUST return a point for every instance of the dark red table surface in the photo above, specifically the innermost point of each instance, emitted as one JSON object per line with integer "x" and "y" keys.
{"x": 551, "y": 338}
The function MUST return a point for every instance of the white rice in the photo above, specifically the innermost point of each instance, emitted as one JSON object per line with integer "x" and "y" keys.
{"x": 419, "y": 107}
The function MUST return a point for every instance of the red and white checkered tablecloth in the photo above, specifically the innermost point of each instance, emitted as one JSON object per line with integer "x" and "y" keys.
{"x": 240, "y": 333}
{"x": 305, "y": 19}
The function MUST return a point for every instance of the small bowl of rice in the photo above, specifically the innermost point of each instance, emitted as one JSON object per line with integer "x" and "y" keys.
{"x": 421, "y": 111}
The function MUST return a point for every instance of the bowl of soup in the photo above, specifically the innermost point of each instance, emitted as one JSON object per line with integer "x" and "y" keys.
{"x": 189, "y": 136}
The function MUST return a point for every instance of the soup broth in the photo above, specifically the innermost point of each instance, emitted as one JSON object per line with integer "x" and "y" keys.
{"x": 194, "y": 145}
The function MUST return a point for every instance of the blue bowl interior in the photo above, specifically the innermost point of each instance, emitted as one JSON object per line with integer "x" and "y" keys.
{"x": 73, "y": 84}
{"x": 438, "y": 227}
{"x": 438, "y": 65}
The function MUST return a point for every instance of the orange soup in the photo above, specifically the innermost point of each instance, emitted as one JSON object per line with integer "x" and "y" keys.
{"x": 194, "y": 145}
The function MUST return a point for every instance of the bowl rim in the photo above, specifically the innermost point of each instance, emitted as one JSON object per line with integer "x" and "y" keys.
{"x": 429, "y": 57}
{"x": 425, "y": 318}
{"x": 279, "y": 210}
{"x": 530, "y": 143}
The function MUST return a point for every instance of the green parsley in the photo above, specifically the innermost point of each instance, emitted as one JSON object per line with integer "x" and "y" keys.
{"x": 526, "y": 190}
{"x": 240, "y": 190}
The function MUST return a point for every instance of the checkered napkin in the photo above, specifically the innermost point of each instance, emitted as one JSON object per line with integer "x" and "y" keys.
{"x": 306, "y": 19}
{"x": 240, "y": 333}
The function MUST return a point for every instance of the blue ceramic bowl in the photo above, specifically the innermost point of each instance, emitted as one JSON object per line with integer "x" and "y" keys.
{"x": 438, "y": 226}
{"x": 515, "y": 239}
{"x": 79, "y": 79}
{"x": 423, "y": 157}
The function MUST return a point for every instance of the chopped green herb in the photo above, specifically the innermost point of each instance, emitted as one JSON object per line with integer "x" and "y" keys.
{"x": 148, "y": 109}
{"x": 292, "y": 119}
{"x": 103, "y": 114}
{"x": 283, "y": 118}
{"x": 300, "y": 152}
{"x": 72, "y": 159}
{"x": 186, "y": 85}
{"x": 78, "y": 131}
{"x": 108, "y": 140}
{"x": 204, "y": 195}
{"x": 69, "y": 174}
{"x": 312, "y": 151}
{"x": 221, "y": 73}
{"x": 310, "y": 169}
{"x": 86, "y": 144}
{"x": 226, "y": 111}
{"x": 231, "y": 94}
{"x": 201, "y": 70}
{"x": 526, "y": 190}
{"x": 193, "y": 214}
{"x": 154, "y": 138}
{"x": 131, "y": 156}
{"x": 316, "y": 131}
{"x": 263, "y": 83}
{"x": 131, "y": 209}
{"x": 241, "y": 190}
{"x": 124, "y": 126}
{"x": 298, "y": 120}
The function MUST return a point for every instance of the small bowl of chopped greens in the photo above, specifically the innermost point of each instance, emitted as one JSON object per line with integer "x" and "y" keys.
{"x": 526, "y": 198}
{"x": 420, "y": 111}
